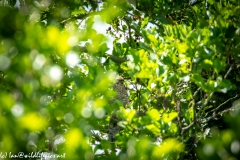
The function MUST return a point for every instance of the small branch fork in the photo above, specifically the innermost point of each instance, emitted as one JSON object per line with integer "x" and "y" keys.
{"x": 213, "y": 116}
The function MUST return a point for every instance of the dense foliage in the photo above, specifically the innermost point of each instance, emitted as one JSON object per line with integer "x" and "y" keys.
{"x": 179, "y": 60}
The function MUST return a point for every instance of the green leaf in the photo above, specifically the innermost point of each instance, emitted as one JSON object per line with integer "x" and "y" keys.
{"x": 166, "y": 147}
{"x": 198, "y": 79}
{"x": 154, "y": 114}
{"x": 153, "y": 129}
{"x": 103, "y": 48}
{"x": 182, "y": 47}
{"x": 80, "y": 11}
{"x": 7, "y": 100}
{"x": 33, "y": 122}
{"x": 189, "y": 114}
{"x": 217, "y": 66}
{"x": 169, "y": 117}
{"x": 144, "y": 46}
{"x": 124, "y": 27}
{"x": 145, "y": 22}
{"x": 211, "y": 1}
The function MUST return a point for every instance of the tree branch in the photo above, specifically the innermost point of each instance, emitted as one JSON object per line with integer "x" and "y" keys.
{"x": 205, "y": 103}
{"x": 229, "y": 70}
{"x": 214, "y": 115}
{"x": 196, "y": 92}
{"x": 226, "y": 110}
{"x": 215, "y": 109}
{"x": 187, "y": 127}
{"x": 129, "y": 31}
{"x": 179, "y": 118}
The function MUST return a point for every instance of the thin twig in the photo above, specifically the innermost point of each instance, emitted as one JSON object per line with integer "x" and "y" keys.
{"x": 226, "y": 110}
{"x": 208, "y": 99}
{"x": 179, "y": 118}
{"x": 129, "y": 32}
{"x": 204, "y": 104}
{"x": 196, "y": 92}
{"x": 187, "y": 127}
{"x": 229, "y": 70}
{"x": 69, "y": 88}
{"x": 215, "y": 109}
{"x": 214, "y": 115}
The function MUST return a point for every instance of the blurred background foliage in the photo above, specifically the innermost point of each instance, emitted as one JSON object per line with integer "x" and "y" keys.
{"x": 179, "y": 60}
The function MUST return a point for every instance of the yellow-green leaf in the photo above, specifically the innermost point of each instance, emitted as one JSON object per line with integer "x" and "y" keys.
{"x": 33, "y": 122}
{"x": 169, "y": 117}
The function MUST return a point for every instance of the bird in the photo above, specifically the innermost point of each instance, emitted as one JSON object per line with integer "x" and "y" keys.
{"x": 122, "y": 95}
{"x": 121, "y": 89}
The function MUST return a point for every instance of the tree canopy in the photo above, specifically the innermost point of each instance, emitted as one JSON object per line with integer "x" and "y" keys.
{"x": 178, "y": 60}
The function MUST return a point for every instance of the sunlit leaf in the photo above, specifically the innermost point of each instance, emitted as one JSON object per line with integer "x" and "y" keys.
{"x": 189, "y": 114}
{"x": 167, "y": 146}
{"x": 153, "y": 129}
{"x": 74, "y": 138}
{"x": 33, "y": 122}
{"x": 154, "y": 114}
{"x": 169, "y": 117}
{"x": 182, "y": 47}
